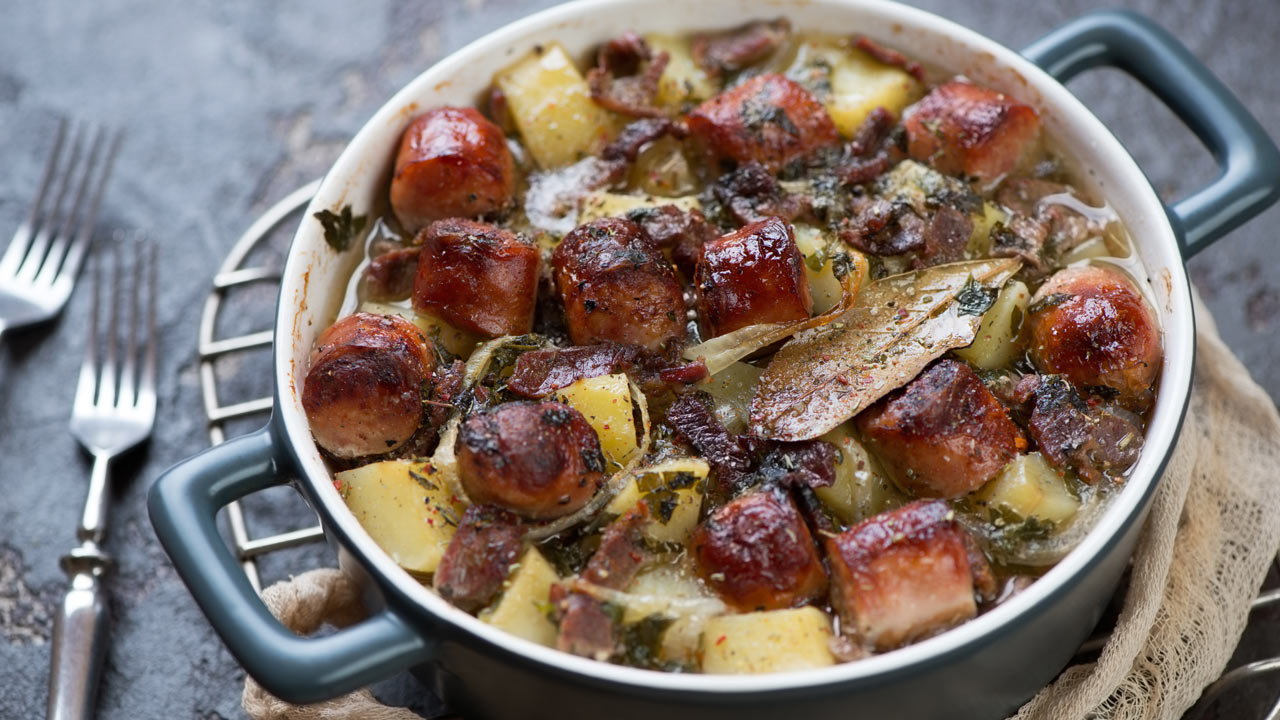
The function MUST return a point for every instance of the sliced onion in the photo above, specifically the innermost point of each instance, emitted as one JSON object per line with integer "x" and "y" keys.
{"x": 612, "y": 486}
{"x": 720, "y": 352}
{"x": 651, "y": 604}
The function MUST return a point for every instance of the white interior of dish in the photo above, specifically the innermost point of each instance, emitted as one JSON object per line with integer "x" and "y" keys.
{"x": 315, "y": 276}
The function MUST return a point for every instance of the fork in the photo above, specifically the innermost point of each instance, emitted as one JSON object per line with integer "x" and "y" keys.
{"x": 40, "y": 266}
{"x": 114, "y": 410}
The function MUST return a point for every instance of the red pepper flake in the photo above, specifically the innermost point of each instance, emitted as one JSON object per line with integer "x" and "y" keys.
{"x": 720, "y": 640}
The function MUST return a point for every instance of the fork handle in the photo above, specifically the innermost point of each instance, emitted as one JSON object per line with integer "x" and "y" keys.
{"x": 79, "y": 636}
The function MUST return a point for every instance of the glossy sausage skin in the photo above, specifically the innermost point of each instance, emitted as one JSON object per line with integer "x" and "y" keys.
{"x": 1092, "y": 325}
{"x": 752, "y": 275}
{"x": 757, "y": 553}
{"x": 962, "y": 128}
{"x": 452, "y": 162}
{"x": 478, "y": 277}
{"x": 944, "y": 434}
{"x": 906, "y": 574}
{"x": 768, "y": 119}
{"x": 363, "y": 391}
{"x": 540, "y": 460}
{"x": 617, "y": 286}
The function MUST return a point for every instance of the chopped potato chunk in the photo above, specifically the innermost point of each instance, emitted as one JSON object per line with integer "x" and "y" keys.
{"x": 606, "y": 204}
{"x": 851, "y": 83}
{"x": 1030, "y": 487}
{"x": 605, "y": 401}
{"x": 999, "y": 337}
{"x": 861, "y": 488}
{"x": 771, "y": 641}
{"x": 408, "y": 514}
{"x": 673, "y": 488}
{"x": 683, "y": 83}
{"x": 522, "y": 610}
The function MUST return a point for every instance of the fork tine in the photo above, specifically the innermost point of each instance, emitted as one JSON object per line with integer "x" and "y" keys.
{"x": 107, "y": 373}
{"x": 22, "y": 238}
{"x": 66, "y": 229}
{"x": 40, "y": 243}
{"x": 129, "y": 366}
{"x": 82, "y": 235}
{"x": 87, "y": 387}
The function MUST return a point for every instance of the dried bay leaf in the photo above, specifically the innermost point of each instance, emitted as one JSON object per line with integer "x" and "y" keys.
{"x": 896, "y": 327}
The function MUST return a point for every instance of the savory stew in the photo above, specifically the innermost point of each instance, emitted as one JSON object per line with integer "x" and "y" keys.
{"x": 741, "y": 352}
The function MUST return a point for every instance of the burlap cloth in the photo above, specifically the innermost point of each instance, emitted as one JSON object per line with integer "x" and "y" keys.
{"x": 1213, "y": 529}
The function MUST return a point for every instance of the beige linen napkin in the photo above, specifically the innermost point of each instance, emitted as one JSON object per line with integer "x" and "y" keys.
{"x": 1213, "y": 529}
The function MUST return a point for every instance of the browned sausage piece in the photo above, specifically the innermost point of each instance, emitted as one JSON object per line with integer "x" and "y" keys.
{"x": 479, "y": 557}
{"x": 1092, "y": 325}
{"x": 363, "y": 391}
{"x": 752, "y": 275}
{"x": 541, "y": 460}
{"x": 768, "y": 119}
{"x": 616, "y": 286}
{"x": 389, "y": 276}
{"x": 944, "y": 434}
{"x": 757, "y": 553}
{"x": 906, "y": 574}
{"x": 452, "y": 162}
{"x": 478, "y": 277}
{"x": 962, "y": 128}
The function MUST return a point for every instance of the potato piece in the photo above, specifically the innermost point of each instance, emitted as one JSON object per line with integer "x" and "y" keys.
{"x": 410, "y": 517}
{"x": 763, "y": 642}
{"x": 861, "y": 489}
{"x": 817, "y": 248}
{"x": 605, "y": 401}
{"x": 683, "y": 83}
{"x": 552, "y": 106}
{"x": 522, "y": 609}
{"x": 674, "y": 489}
{"x": 980, "y": 239}
{"x": 1030, "y": 487}
{"x": 733, "y": 388}
{"x": 999, "y": 337}
{"x": 598, "y": 205}
{"x": 851, "y": 83}
{"x": 458, "y": 342}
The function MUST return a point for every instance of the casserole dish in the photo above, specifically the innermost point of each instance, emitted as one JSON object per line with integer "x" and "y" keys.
{"x": 982, "y": 669}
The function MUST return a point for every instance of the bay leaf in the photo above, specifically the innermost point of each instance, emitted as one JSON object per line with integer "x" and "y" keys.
{"x": 896, "y": 327}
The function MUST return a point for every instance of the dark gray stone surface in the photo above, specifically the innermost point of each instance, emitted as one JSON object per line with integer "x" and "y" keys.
{"x": 228, "y": 106}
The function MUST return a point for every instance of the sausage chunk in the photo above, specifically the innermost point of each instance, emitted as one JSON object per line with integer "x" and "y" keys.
{"x": 1092, "y": 325}
{"x": 757, "y": 553}
{"x": 752, "y": 275}
{"x": 768, "y": 119}
{"x": 363, "y": 391}
{"x": 944, "y": 434}
{"x": 452, "y": 162}
{"x": 906, "y": 574}
{"x": 962, "y": 128}
{"x": 617, "y": 286}
{"x": 541, "y": 460}
{"x": 478, "y": 277}
{"x": 479, "y": 557}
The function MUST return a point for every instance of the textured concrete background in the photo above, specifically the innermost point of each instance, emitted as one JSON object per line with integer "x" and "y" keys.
{"x": 229, "y": 105}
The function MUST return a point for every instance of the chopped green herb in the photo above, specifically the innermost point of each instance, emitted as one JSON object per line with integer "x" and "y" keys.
{"x": 341, "y": 228}
{"x": 975, "y": 298}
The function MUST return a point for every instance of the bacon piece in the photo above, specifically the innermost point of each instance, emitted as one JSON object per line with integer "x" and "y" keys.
{"x": 585, "y": 629}
{"x": 616, "y": 286}
{"x": 945, "y": 235}
{"x": 539, "y": 373}
{"x": 478, "y": 277}
{"x": 732, "y": 50}
{"x": 389, "y": 276}
{"x": 809, "y": 464}
{"x": 881, "y": 228}
{"x": 541, "y": 460}
{"x": 1094, "y": 440}
{"x": 634, "y": 137}
{"x": 750, "y": 276}
{"x": 906, "y": 574}
{"x": 768, "y": 119}
{"x": 962, "y": 128}
{"x": 757, "y": 553}
{"x": 944, "y": 434}
{"x": 479, "y": 557}
{"x": 452, "y": 162}
{"x": 680, "y": 232}
{"x": 1091, "y": 324}
{"x": 625, "y": 78}
{"x": 751, "y": 193}
{"x": 362, "y": 393}
{"x": 729, "y": 457}
{"x": 889, "y": 57}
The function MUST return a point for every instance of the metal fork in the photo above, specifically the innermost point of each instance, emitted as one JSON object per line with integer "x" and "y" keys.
{"x": 115, "y": 410}
{"x": 39, "y": 268}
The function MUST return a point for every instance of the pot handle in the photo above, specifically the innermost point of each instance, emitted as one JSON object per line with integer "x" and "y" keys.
{"x": 1248, "y": 181}
{"x": 183, "y": 503}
